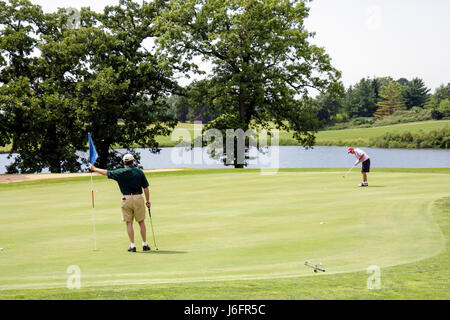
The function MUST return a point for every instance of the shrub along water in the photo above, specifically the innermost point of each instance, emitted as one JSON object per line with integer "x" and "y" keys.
{"x": 438, "y": 139}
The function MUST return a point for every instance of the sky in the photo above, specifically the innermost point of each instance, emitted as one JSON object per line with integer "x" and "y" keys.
{"x": 366, "y": 38}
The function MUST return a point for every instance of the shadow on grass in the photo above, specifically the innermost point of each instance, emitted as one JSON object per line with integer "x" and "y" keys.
{"x": 153, "y": 251}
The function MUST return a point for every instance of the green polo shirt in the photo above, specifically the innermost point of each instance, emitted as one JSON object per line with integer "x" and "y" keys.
{"x": 130, "y": 179}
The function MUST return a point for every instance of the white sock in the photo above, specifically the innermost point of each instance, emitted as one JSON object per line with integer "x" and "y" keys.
{"x": 144, "y": 244}
{"x": 132, "y": 245}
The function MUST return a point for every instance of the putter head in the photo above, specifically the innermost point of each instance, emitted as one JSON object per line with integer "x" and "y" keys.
{"x": 315, "y": 267}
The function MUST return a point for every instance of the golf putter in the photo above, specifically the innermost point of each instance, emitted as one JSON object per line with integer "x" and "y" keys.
{"x": 316, "y": 267}
{"x": 151, "y": 224}
{"x": 348, "y": 171}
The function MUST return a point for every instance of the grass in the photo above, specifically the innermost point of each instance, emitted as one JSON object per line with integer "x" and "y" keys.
{"x": 233, "y": 234}
{"x": 5, "y": 149}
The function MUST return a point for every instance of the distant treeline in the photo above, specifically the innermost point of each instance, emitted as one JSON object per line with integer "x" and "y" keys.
{"x": 372, "y": 101}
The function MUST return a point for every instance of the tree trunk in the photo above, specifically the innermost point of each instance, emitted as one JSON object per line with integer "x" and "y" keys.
{"x": 103, "y": 153}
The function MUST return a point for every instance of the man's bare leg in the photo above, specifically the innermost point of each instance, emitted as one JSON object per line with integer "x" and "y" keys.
{"x": 143, "y": 231}
{"x": 364, "y": 177}
{"x": 130, "y": 231}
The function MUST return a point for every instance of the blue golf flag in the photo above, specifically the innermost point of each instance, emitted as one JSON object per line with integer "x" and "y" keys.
{"x": 92, "y": 152}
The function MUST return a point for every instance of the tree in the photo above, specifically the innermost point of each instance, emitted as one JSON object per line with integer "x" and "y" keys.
{"x": 350, "y": 103}
{"x": 415, "y": 94}
{"x": 179, "y": 107}
{"x": 40, "y": 119}
{"x": 376, "y": 86}
{"x": 201, "y": 104}
{"x": 263, "y": 63}
{"x": 123, "y": 93}
{"x": 403, "y": 81}
{"x": 443, "y": 92}
{"x": 326, "y": 107}
{"x": 361, "y": 100}
{"x": 391, "y": 100}
{"x": 60, "y": 79}
{"x": 439, "y": 102}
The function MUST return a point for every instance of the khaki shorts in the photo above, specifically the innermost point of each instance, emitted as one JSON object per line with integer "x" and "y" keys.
{"x": 133, "y": 206}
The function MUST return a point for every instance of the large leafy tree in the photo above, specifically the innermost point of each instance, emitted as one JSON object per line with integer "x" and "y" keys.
{"x": 262, "y": 58}
{"x": 123, "y": 90}
{"x": 61, "y": 79}
{"x": 17, "y": 42}
{"x": 40, "y": 119}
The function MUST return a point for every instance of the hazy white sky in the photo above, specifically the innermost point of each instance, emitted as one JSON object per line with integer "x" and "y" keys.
{"x": 366, "y": 38}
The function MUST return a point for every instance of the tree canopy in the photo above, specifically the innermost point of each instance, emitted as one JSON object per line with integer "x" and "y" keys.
{"x": 262, "y": 58}
{"x": 60, "y": 80}
{"x": 415, "y": 93}
{"x": 390, "y": 99}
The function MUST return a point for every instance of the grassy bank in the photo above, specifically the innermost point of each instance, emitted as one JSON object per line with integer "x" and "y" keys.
{"x": 368, "y": 137}
{"x": 233, "y": 234}
{"x": 364, "y": 137}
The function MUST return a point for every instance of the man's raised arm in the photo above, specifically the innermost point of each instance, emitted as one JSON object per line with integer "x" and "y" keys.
{"x": 95, "y": 169}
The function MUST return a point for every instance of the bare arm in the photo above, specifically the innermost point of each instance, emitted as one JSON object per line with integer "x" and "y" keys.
{"x": 98, "y": 170}
{"x": 359, "y": 159}
{"x": 147, "y": 197}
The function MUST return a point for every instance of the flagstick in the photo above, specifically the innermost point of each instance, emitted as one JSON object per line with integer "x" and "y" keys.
{"x": 93, "y": 213}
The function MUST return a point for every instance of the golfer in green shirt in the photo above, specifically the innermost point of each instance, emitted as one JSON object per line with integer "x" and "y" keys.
{"x": 131, "y": 181}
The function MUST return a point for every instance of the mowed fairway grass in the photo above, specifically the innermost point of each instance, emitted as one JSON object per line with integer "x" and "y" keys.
{"x": 232, "y": 234}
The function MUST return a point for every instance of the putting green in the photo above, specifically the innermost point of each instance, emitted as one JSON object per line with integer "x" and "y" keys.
{"x": 214, "y": 225}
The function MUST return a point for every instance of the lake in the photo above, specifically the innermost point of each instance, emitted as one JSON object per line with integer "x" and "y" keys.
{"x": 290, "y": 157}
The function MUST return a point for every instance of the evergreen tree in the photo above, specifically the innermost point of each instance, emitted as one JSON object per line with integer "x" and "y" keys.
{"x": 391, "y": 100}
{"x": 415, "y": 93}
{"x": 361, "y": 100}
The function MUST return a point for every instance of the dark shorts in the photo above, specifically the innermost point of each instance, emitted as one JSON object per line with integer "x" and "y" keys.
{"x": 366, "y": 166}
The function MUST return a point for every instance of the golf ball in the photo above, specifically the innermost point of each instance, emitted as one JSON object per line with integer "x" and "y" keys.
{"x": 321, "y": 222}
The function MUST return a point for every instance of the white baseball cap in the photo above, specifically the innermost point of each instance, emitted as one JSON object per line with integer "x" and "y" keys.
{"x": 128, "y": 157}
